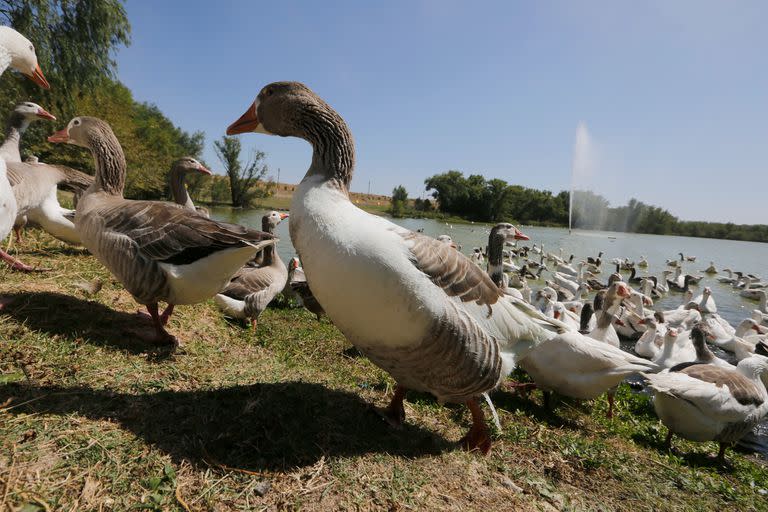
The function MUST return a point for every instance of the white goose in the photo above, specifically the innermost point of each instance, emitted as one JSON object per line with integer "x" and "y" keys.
{"x": 416, "y": 307}
{"x": 706, "y": 302}
{"x": 159, "y": 251}
{"x": 18, "y": 53}
{"x": 704, "y": 402}
{"x": 676, "y": 349}
{"x": 582, "y": 367}
{"x": 650, "y": 343}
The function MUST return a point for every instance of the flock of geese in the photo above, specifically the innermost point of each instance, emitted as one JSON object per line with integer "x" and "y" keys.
{"x": 436, "y": 320}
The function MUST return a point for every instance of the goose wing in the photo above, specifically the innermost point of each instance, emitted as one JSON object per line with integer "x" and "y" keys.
{"x": 167, "y": 233}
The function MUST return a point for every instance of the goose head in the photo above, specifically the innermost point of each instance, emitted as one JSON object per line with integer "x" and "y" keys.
{"x": 32, "y": 112}
{"x": 81, "y": 131}
{"x": 508, "y": 231}
{"x": 270, "y": 221}
{"x": 22, "y": 55}
{"x": 278, "y": 110}
{"x": 188, "y": 164}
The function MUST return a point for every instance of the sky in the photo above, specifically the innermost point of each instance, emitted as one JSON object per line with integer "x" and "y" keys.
{"x": 673, "y": 95}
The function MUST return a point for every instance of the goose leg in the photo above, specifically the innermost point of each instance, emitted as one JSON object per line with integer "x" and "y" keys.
{"x": 162, "y": 336}
{"x": 166, "y": 314}
{"x": 254, "y": 322}
{"x": 721, "y": 453}
{"x": 611, "y": 399}
{"x": 478, "y": 437}
{"x": 16, "y": 264}
{"x": 17, "y": 233}
{"x": 394, "y": 413}
{"x": 668, "y": 441}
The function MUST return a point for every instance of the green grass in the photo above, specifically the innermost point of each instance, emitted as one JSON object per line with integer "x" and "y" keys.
{"x": 94, "y": 419}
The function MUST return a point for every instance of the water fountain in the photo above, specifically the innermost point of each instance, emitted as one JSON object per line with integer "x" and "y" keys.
{"x": 581, "y": 165}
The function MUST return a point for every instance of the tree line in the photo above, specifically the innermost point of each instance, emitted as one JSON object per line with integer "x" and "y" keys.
{"x": 75, "y": 43}
{"x": 479, "y": 199}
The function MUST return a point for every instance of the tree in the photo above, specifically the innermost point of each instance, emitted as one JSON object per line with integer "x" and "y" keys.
{"x": 399, "y": 201}
{"x": 75, "y": 42}
{"x": 243, "y": 180}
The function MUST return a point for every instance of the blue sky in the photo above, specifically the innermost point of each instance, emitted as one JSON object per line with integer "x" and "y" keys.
{"x": 674, "y": 94}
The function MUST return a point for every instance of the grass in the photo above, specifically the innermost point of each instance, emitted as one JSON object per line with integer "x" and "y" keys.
{"x": 91, "y": 418}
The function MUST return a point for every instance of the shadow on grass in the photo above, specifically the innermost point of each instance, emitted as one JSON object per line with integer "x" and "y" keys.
{"x": 63, "y": 250}
{"x": 259, "y": 427}
{"x": 65, "y": 315}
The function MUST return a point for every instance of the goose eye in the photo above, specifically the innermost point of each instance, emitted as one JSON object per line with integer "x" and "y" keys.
{"x": 267, "y": 92}
{"x": 77, "y": 122}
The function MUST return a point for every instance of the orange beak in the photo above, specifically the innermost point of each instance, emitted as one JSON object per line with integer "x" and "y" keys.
{"x": 248, "y": 122}
{"x": 284, "y": 216}
{"x": 204, "y": 170}
{"x": 59, "y": 136}
{"x": 44, "y": 114}
{"x": 38, "y": 77}
{"x": 519, "y": 235}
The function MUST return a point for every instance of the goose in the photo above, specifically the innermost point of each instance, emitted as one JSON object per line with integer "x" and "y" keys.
{"x": 727, "y": 280}
{"x": 675, "y": 350}
{"x": 711, "y": 269}
{"x": 35, "y": 188}
{"x": 251, "y": 289}
{"x": 752, "y": 293}
{"x": 643, "y": 263}
{"x": 673, "y": 263}
{"x": 17, "y": 52}
{"x": 650, "y": 343}
{"x": 704, "y": 355}
{"x": 21, "y": 117}
{"x": 179, "y": 170}
{"x": 500, "y": 233}
{"x": 704, "y": 402}
{"x": 566, "y": 316}
{"x": 415, "y": 307}
{"x": 686, "y": 258}
{"x": 675, "y": 286}
{"x": 157, "y": 250}
{"x": 298, "y": 283}
{"x": 595, "y": 261}
{"x": 759, "y": 317}
{"x": 706, "y": 302}
{"x": 581, "y": 367}
{"x": 604, "y": 331}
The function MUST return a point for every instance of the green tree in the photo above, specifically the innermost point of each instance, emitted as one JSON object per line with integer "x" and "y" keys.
{"x": 75, "y": 42}
{"x": 399, "y": 201}
{"x": 243, "y": 179}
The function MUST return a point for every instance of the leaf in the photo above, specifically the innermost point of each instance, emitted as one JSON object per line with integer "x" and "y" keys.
{"x": 169, "y": 472}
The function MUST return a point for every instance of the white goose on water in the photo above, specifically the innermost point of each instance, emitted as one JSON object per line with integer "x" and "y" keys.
{"x": 414, "y": 306}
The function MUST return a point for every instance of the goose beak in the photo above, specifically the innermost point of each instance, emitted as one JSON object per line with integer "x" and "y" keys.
{"x": 38, "y": 77}
{"x": 284, "y": 216}
{"x": 59, "y": 136}
{"x": 44, "y": 114}
{"x": 619, "y": 323}
{"x": 248, "y": 122}
{"x": 519, "y": 235}
{"x": 204, "y": 170}
{"x": 623, "y": 290}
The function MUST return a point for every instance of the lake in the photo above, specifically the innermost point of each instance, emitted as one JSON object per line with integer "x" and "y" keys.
{"x": 748, "y": 257}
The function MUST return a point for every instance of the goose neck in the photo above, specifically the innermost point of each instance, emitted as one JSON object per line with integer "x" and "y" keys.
{"x": 333, "y": 155}
{"x": 110, "y": 163}
{"x": 495, "y": 249}
{"x": 179, "y": 190}
{"x": 17, "y": 125}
